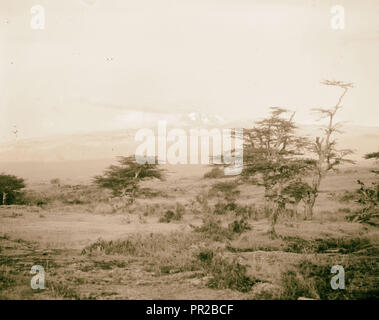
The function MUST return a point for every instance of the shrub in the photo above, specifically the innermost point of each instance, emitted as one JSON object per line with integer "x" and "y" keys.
{"x": 239, "y": 226}
{"x": 368, "y": 198}
{"x": 222, "y": 208}
{"x": 343, "y": 245}
{"x": 213, "y": 229}
{"x": 248, "y": 211}
{"x": 225, "y": 274}
{"x": 205, "y": 256}
{"x": 228, "y": 190}
{"x": 340, "y": 245}
{"x": 347, "y": 196}
{"x": 35, "y": 199}
{"x": 111, "y": 247}
{"x": 294, "y": 286}
{"x": 142, "y": 245}
{"x": 200, "y": 204}
{"x": 55, "y": 181}
{"x": 149, "y": 193}
{"x": 169, "y": 216}
{"x": 214, "y": 173}
{"x": 176, "y": 216}
{"x": 311, "y": 280}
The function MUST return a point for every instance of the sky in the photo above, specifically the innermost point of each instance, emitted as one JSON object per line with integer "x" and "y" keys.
{"x": 119, "y": 64}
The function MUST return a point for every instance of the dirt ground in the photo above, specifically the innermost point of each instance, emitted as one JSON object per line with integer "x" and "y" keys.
{"x": 90, "y": 250}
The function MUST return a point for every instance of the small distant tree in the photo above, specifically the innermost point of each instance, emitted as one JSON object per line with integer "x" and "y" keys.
{"x": 273, "y": 158}
{"x": 297, "y": 191}
{"x": 123, "y": 179}
{"x": 373, "y": 155}
{"x": 55, "y": 181}
{"x": 10, "y": 187}
{"x": 368, "y": 198}
{"x": 328, "y": 157}
{"x": 215, "y": 173}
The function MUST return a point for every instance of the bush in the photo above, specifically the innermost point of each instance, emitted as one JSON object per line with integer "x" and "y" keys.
{"x": 143, "y": 245}
{"x": 347, "y": 196}
{"x": 229, "y": 275}
{"x": 213, "y": 229}
{"x": 222, "y": 208}
{"x": 66, "y": 195}
{"x": 225, "y": 274}
{"x": 312, "y": 280}
{"x": 294, "y": 286}
{"x": 55, "y": 181}
{"x": 340, "y": 245}
{"x": 368, "y": 198}
{"x": 205, "y": 256}
{"x": 215, "y": 173}
{"x": 344, "y": 210}
{"x": 227, "y": 190}
{"x": 33, "y": 198}
{"x": 239, "y": 226}
{"x": 111, "y": 247}
{"x": 171, "y": 215}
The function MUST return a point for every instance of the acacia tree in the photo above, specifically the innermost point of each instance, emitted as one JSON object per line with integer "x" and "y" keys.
{"x": 368, "y": 198}
{"x": 297, "y": 191}
{"x": 328, "y": 157}
{"x": 273, "y": 158}
{"x": 9, "y": 188}
{"x": 123, "y": 179}
{"x": 373, "y": 155}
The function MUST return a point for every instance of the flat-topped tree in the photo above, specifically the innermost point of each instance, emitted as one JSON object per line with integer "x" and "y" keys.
{"x": 9, "y": 188}
{"x": 123, "y": 179}
{"x": 273, "y": 158}
{"x": 373, "y": 155}
{"x": 368, "y": 199}
{"x": 328, "y": 156}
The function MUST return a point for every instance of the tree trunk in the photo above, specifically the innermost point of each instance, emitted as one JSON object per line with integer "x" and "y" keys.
{"x": 274, "y": 218}
{"x": 295, "y": 209}
{"x": 4, "y": 198}
{"x": 308, "y": 210}
{"x": 312, "y": 196}
{"x": 276, "y": 210}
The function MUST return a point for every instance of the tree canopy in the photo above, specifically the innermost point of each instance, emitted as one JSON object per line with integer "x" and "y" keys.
{"x": 273, "y": 158}
{"x": 9, "y": 187}
{"x": 123, "y": 179}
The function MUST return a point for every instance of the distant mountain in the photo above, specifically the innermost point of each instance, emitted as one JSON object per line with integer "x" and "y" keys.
{"x": 358, "y": 138}
{"x": 91, "y": 146}
{"x": 103, "y": 145}
{"x": 84, "y": 155}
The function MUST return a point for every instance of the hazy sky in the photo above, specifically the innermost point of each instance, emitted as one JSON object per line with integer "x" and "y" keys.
{"x": 113, "y": 64}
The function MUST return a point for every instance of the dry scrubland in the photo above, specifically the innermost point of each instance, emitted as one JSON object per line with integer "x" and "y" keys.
{"x": 185, "y": 239}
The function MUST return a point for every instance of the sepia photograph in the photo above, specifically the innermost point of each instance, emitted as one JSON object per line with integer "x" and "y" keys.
{"x": 203, "y": 150}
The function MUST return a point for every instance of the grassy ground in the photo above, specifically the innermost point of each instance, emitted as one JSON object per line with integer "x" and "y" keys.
{"x": 188, "y": 242}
